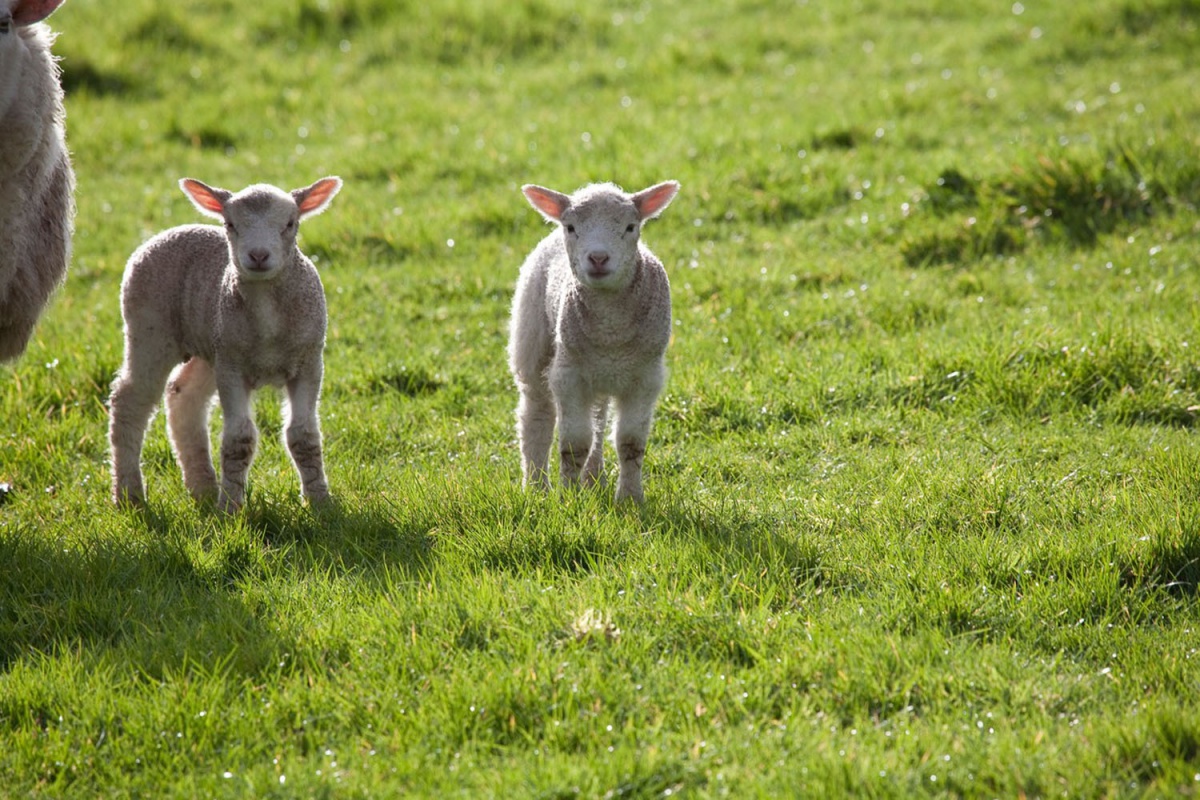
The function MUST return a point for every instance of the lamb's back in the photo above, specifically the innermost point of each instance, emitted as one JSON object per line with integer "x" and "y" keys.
{"x": 173, "y": 284}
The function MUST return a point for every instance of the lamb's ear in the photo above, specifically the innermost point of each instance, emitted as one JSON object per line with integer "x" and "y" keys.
{"x": 27, "y": 12}
{"x": 209, "y": 200}
{"x": 315, "y": 199}
{"x": 651, "y": 202}
{"x": 549, "y": 203}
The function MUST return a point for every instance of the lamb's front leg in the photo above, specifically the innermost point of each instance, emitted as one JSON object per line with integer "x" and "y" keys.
{"x": 238, "y": 439}
{"x": 575, "y": 420}
{"x": 631, "y": 431}
{"x": 303, "y": 433}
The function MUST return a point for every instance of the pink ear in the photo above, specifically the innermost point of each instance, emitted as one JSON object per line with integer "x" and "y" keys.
{"x": 551, "y": 204}
{"x": 650, "y": 202}
{"x": 207, "y": 199}
{"x": 27, "y": 12}
{"x": 315, "y": 198}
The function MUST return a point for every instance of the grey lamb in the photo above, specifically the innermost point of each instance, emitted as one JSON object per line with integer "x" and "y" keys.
{"x": 591, "y": 319}
{"x": 225, "y": 311}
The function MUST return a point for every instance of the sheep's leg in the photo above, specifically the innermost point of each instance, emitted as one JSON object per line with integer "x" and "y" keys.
{"x": 535, "y": 432}
{"x": 189, "y": 401}
{"x": 593, "y": 468}
{"x": 238, "y": 440}
{"x": 14, "y": 335}
{"x": 135, "y": 393}
{"x": 303, "y": 435}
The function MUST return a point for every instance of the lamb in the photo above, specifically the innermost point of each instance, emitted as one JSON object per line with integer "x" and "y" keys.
{"x": 224, "y": 311}
{"x": 591, "y": 319}
{"x": 37, "y": 185}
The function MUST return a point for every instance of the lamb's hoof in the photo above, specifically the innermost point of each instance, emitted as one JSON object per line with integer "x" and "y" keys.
{"x": 6, "y": 491}
{"x": 228, "y": 506}
{"x": 320, "y": 500}
{"x": 206, "y": 499}
{"x": 631, "y": 496}
{"x": 128, "y": 501}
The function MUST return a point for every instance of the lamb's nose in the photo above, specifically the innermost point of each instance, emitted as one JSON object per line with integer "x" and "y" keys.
{"x": 258, "y": 257}
{"x": 598, "y": 260}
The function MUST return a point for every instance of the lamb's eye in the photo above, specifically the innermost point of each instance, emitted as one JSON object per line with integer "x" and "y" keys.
{"x": 570, "y": 229}
{"x": 229, "y": 227}
{"x": 291, "y": 225}
{"x": 629, "y": 228}
{"x": 5, "y": 25}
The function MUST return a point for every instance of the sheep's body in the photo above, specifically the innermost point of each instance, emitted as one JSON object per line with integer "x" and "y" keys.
{"x": 591, "y": 321}
{"x": 225, "y": 312}
{"x": 36, "y": 182}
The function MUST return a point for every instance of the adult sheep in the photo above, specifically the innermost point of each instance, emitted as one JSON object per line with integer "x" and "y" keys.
{"x": 36, "y": 182}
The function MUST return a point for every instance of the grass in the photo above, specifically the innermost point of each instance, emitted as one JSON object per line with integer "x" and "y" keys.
{"x": 921, "y": 512}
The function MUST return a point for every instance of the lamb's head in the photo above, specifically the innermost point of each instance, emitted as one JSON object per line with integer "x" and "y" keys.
{"x": 261, "y": 221}
{"x": 601, "y": 225}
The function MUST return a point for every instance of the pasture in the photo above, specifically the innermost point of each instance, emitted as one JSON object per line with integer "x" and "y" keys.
{"x": 922, "y": 489}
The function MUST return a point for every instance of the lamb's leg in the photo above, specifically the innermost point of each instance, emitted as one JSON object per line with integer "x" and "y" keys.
{"x": 593, "y": 469}
{"x": 135, "y": 393}
{"x": 631, "y": 431}
{"x": 238, "y": 440}
{"x": 189, "y": 400}
{"x": 303, "y": 434}
{"x": 535, "y": 432}
{"x": 575, "y": 420}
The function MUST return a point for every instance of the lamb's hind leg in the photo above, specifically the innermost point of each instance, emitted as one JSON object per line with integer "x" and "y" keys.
{"x": 303, "y": 434}
{"x": 535, "y": 432}
{"x": 593, "y": 468}
{"x": 189, "y": 400}
{"x": 135, "y": 392}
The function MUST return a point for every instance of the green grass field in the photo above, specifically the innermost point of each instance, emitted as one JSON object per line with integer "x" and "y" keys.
{"x": 922, "y": 490}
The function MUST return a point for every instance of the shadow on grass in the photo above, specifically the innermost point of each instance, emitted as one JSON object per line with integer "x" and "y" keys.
{"x": 144, "y": 598}
{"x": 1172, "y": 563}
{"x": 743, "y": 541}
{"x": 188, "y": 591}
{"x": 345, "y": 538}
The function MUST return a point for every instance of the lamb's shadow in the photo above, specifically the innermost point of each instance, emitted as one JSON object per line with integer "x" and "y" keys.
{"x": 553, "y": 532}
{"x": 745, "y": 541}
{"x": 141, "y": 602}
{"x": 369, "y": 537}
{"x": 173, "y": 599}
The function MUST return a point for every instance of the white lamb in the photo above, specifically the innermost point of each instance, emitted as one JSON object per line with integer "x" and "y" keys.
{"x": 591, "y": 320}
{"x": 237, "y": 308}
{"x": 37, "y": 185}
